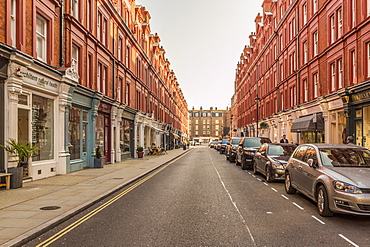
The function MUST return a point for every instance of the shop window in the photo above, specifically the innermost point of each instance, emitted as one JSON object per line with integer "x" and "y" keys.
{"x": 100, "y": 133}
{"x": 74, "y": 128}
{"x": 43, "y": 127}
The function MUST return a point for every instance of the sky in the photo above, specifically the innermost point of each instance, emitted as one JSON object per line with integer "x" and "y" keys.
{"x": 203, "y": 40}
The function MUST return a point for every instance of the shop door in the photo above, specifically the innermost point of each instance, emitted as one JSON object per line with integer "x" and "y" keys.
{"x": 359, "y": 140}
{"x": 23, "y": 132}
{"x": 107, "y": 143}
{"x": 77, "y": 130}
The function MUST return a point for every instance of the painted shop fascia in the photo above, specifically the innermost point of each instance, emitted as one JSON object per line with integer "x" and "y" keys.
{"x": 36, "y": 97}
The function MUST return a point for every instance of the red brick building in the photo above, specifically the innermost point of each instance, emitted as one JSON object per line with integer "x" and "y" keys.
{"x": 77, "y": 75}
{"x": 305, "y": 72}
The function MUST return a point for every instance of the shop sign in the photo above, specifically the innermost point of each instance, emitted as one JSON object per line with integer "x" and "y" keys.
{"x": 38, "y": 80}
{"x": 360, "y": 96}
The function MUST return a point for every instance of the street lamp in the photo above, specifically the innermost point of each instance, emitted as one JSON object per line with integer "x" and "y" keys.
{"x": 257, "y": 99}
{"x": 231, "y": 125}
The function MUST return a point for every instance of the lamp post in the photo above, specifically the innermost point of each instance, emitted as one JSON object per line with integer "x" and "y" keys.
{"x": 231, "y": 125}
{"x": 257, "y": 99}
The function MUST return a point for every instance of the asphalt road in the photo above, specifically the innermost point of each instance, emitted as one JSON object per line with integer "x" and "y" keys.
{"x": 203, "y": 200}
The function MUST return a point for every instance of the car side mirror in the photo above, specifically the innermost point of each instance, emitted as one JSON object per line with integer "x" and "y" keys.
{"x": 312, "y": 163}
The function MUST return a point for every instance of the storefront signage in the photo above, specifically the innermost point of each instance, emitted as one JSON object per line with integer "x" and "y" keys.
{"x": 361, "y": 96}
{"x": 41, "y": 81}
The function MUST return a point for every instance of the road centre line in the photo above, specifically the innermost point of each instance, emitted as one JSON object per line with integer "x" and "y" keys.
{"x": 233, "y": 202}
{"x": 274, "y": 189}
{"x": 322, "y": 222}
{"x": 349, "y": 241}
{"x": 285, "y": 197}
{"x": 295, "y": 204}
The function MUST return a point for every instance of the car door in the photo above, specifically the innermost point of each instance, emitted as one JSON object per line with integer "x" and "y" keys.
{"x": 309, "y": 173}
{"x": 260, "y": 158}
{"x": 296, "y": 167}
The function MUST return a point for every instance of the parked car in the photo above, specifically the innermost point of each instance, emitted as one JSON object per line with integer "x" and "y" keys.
{"x": 271, "y": 159}
{"x": 335, "y": 176}
{"x": 231, "y": 147}
{"x": 248, "y": 146}
{"x": 223, "y": 145}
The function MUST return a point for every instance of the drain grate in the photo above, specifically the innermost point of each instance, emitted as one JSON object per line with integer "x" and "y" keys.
{"x": 50, "y": 208}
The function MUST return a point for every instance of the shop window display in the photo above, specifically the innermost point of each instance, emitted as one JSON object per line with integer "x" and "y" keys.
{"x": 43, "y": 127}
{"x": 125, "y": 136}
{"x": 74, "y": 133}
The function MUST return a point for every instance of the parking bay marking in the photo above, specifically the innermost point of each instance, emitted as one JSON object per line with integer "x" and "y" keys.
{"x": 274, "y": 189}
{"x": 322, "y": 222}
{"x": 285, "y": 197}
{"x": 295, "y": 204}
{"x": 349, "y": 241}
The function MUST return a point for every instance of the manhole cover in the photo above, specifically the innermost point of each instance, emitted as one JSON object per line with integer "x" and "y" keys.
{"x": 50, "y": 208}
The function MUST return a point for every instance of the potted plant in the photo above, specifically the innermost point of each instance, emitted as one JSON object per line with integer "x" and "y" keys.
{"x": 99, "y": 159}
{"x": 23, "y": 152}
{"x": 140, "y": 151}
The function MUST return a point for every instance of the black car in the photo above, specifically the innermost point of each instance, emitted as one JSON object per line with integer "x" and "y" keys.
{"x": 231, "y": 147}
{"x": 223, "y": 146}
{"x": 248, "y": 146}
{"x": 271, "y": 160}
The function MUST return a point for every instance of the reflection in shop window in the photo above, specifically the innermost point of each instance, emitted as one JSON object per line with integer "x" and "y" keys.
{"x": 74, "y": 133}
{"x": 100, "y": 133}
{"x": 125, "y": 136}
{"x": 43, "y": 127}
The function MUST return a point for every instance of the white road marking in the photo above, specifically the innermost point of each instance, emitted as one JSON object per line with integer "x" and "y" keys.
{"x": 285, "y": 197}
{"x": 253, "y": 176}
{"x": 274, "y": 189}
{"x": 268, "y": 212}
{"x": 295, "y": 204}
{"x": 265, "y": 183}
{"x": 349, "y": 241}
{"x": 234, "y": 203}
{"x": 259, "y": 179}
{"x": 322, "y": 222}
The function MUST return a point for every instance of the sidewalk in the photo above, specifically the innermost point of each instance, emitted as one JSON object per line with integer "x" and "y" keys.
{"x": 21, "y": 218}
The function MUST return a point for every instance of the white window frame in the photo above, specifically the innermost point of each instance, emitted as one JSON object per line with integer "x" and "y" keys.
{"x": 332, "y": 28}
{"x": 353, "y": 56}
{"x": 13, "y": 22}
{"x": 353, "y": 16}
{"x": 340, "y": 22}
{"x": 74, "y": 8}
{"x": 315, "y": 6}
{"x": 305, "y": 13}
{"x": 305, "y": 52}
{"x": 332, "y": 80}
{"x": 75, "y": 55}
{"x": 119, "y": 49}
{"x": 368, "y": 7}
{"x": 305, "y": 87}
{"x": 316, "y": 85}
{"x": 98, "y": 28}
{"x": 340, "y": 73}
{"x": 316, "y": 43}
{"x": 41, "y": 38}
{"x": 98, "y": 76}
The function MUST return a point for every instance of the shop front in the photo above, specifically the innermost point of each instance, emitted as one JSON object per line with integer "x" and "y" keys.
{"x": 103, "y": 131}
{"x": 35, "y": 113}
{"x": 310, "y": 127}
{"x": 356, "y": 100}
{"x": 126, "y": 137}
{"x": 80, "y": 129}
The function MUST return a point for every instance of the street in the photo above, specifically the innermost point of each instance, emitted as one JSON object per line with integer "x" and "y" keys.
{"x": 203, "y": 200}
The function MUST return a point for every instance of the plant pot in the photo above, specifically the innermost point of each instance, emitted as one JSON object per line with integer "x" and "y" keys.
{"x": 140, "y": 154}
{"x": 16, "y": 179}
{"x": 99, "y": 163}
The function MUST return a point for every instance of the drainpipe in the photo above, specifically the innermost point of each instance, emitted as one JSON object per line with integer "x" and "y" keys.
{"x": 62, "y": 41}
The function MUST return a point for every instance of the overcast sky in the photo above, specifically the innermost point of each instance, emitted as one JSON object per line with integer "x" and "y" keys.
{"x": 203, "y": 40}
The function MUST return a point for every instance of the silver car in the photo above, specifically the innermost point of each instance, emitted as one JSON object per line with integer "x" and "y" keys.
{"x": 335, "y": 176}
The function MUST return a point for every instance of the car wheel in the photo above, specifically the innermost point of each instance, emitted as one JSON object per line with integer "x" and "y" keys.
{"x": 323, "y": 202}
{"x": 288, "y": 184}
{"x": 255, "y": 172}
{"x": 269, "y": 179}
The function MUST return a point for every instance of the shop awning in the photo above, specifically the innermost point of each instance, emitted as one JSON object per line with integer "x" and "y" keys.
{"x": 306, "y": 124}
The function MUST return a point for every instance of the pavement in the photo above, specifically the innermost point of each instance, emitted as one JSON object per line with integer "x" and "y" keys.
{"x": 21, "y": 216}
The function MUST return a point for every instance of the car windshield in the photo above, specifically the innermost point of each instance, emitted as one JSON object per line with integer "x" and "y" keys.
{"x": 224, "y": 141}
{"x": 278, "y": 150}
{"x": 345, "y": 157}
{"x": 254, "y": 142}
{"x": 235, "y": 141}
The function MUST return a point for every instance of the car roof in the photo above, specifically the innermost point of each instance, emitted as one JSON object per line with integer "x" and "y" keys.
{"x": 280, "y": 144}
{"x": 332, "y": 145}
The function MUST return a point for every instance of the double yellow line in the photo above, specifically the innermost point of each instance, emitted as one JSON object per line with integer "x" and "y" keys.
{"x": 97, "y": 210}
